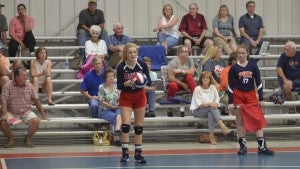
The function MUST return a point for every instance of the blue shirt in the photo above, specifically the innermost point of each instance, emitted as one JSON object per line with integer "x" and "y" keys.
{"x": 243, "y": 79}
{"x": 290, "y": 66}
{"x": 251, "y": 25}
{"x": 114, "y": 40}
{"x": 91, "y": 82}
{"x": 124, "y": 73}
{"x": 223, "y": 28}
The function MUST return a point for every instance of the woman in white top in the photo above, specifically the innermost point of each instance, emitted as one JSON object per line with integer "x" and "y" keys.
{"x": 167, "y": 28}
{"x": 95, "y": 46}
{"x": 205, "y": 103}
{"x": 40, "y": 71}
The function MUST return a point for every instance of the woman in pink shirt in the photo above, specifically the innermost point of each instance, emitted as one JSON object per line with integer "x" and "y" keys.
{"x": 20, "y": 31}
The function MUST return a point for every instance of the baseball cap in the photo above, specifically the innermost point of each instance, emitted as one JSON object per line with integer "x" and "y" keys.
{"x": 1, "y": 5}
{"x": 92, "y": 1}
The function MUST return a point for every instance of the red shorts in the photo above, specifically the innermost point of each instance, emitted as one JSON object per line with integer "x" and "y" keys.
{"x": 243, "y": 97}
{"x": 133, "y": 100}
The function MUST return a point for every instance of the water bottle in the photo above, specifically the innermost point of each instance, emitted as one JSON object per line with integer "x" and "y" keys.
{"x": 67, "y": 64}
{"x": 181, "y": 109}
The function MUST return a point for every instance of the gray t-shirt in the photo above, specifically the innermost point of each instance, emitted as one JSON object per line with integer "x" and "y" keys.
{"x": 3, "y": 24}
{"x": 173, "y": 64}
{"x": 224, "y": 28}
{"x": 88, "y": 19}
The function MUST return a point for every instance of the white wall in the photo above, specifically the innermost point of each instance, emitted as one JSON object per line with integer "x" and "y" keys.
{"x": 60, "y": 17}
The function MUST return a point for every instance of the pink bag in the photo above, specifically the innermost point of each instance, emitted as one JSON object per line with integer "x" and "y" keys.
{"x": 85, "y": 67}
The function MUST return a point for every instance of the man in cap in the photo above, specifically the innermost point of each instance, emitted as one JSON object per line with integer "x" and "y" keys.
{"x": 87, "y": 18}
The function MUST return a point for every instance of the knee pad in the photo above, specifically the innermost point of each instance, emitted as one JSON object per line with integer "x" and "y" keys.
{"x": 138, "y": 130}
{"x": 125, "y": 128}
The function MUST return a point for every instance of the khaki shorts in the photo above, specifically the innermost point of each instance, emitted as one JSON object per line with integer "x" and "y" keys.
{"x": 220, "y": 42}
{"x": 18, "y": 118}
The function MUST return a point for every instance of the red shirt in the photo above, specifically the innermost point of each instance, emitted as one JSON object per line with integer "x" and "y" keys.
{"x": 194, "y": 27}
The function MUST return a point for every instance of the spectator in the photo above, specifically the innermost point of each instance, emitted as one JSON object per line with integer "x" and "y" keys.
{"x": 150, "y": 91}
{"x": 251, "y": 28}
{"x": 205, "y": 103}
{"x": 17, "y": 97}
{"x": 40, "y": 71}
{"x": 109, "y": 108}
{"x": 93, "y": 48}
{"x": 242, "y": 79}
{"x": 193, "y": 28}
{"x": 214, "y": 63}
{"x": 223, "y": 88}
{"x": 16, "y": 64}
{"x": 132, "y": 99}
{"x": 90, "y": 86}
{"x": 180, "y": 74}
{"x": 20, "y": 31}
{"x": 115, "y": 44}
{"x": 167, "y": 29}
{"x": 87, "y": 18}
{"x": 3, "y": 29}
{"x": 288, "y": 69}
{"x": 223, "y": 30}
{"x": 4, "y": 69}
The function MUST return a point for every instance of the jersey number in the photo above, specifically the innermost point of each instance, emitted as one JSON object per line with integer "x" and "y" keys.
{"x": 245, "y": 80}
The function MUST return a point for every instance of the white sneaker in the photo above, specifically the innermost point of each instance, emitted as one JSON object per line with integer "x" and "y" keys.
{"x": 32, "y": 54}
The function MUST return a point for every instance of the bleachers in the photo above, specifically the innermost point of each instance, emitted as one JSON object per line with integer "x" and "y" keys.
{"x": 75, "y": 111}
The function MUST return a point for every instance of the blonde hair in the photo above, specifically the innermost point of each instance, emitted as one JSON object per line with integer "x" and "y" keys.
{"x": 222, "y": 7}
{"x": 126, "y": 48}
{"x": 147, "y": 59}
{"x": 167, "y": 5}
{"x": 211, "y": 53}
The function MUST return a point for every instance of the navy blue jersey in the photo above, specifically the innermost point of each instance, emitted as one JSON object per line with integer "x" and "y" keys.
{"x": 243, "y": 79}
{"x": 124, "y": 73}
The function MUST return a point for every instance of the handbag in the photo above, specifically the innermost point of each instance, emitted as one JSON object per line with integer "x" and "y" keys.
{"x": 252, "y": 117}
{"x": 102, "y": 138}
{"x": 76, "y": 62}
{"x": 204, "y": 138}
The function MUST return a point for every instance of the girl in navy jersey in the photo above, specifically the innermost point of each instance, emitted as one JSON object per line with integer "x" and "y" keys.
{"x": 242, "y": 79}
{"x": 132, "y": 99}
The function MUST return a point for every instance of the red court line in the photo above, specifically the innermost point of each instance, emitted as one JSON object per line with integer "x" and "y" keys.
{"x": 146, "y": 153}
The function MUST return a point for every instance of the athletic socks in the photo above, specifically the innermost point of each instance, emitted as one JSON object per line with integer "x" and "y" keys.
{"x": 243, "y": 146}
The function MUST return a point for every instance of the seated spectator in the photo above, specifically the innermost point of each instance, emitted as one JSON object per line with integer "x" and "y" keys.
{"x": 115, "y": 44}
{"x": 214, "y": 63}
{"x": 150, "y": 90}
{"x": 193, "y": 34}
{"x": 20, "y": 31}
{"x": 205, "y": 103}
{"x": 3, "y": 29}
{"x": 4, "y": 69}
{"x": 288, "y": 69}
{"x": 251, "y": 28}
{"x": 16, "y": 107}
{"x": 109, "y": 108}
{"x": 40, "y": 71}
{"x": 167, "y": 29}
{"x": 16, "y": 64}
{"x": 87, "y": 18}
{"x": 90, "y": 86}
{"x": 93, "y": 47}
{"x": 180, "y": 74}
{"x": 223, "y": 30}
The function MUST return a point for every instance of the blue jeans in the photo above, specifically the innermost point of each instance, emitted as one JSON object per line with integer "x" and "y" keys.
{"x": 247, "y": 42}
{"x": 83, "y": 36}
{"x": 171, "y": 40}
{"x": 151, "y": 100}
{"x": 109, "y": 115}
{"x": 94, "y": 106}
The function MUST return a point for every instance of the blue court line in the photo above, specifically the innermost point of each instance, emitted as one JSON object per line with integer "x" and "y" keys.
{"x": 211, "y": 161}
